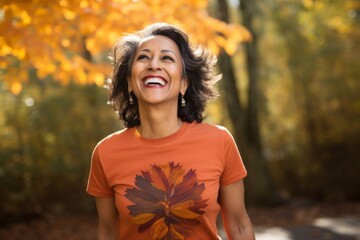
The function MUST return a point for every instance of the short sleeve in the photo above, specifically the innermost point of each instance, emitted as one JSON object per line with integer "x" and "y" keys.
{"x": 234, "y": 168}
{"x": 97, "y": 182}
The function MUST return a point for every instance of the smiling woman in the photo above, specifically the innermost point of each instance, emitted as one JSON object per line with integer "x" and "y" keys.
{"x": 167, "y": 175}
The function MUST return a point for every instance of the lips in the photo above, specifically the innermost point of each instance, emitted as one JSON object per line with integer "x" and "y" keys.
{"x": 154, "y": 81}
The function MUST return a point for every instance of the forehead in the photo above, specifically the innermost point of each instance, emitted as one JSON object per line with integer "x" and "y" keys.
{"x": 158, "y": 42}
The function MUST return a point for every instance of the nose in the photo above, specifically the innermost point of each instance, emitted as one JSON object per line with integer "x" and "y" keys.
{"x": 154, "y": 64}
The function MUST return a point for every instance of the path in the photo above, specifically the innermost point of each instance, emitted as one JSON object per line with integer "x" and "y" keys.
{"x": 344, "y": 228}
{"x": 318, "y": 222}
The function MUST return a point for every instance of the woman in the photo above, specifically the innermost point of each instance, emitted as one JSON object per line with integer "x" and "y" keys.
{"x": 167, "y": 175}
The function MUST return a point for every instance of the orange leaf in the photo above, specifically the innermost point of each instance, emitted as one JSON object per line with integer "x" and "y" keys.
{"x": 157, "y": 176}
{"x": 182, "y": 209}
{"x": 176, "y": 233}
{"x": 176, "y": 176}
{"x": 159, "y": 229}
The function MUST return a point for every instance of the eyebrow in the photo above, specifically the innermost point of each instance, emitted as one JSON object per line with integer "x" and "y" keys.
{"x": 165, "y": 50}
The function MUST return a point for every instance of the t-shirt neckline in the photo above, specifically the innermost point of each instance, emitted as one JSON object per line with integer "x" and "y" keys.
{"x": 170, "y": 138}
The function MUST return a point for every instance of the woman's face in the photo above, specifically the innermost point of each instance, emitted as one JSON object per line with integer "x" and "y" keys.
{"x": 156, "y": 73}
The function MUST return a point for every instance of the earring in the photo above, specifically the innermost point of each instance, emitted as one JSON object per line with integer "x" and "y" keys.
{"x": 131, "y": 100}
{"x": 183, "y": 103}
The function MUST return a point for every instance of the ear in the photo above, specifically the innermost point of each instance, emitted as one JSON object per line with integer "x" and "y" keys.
{"x": 184, "y": 86}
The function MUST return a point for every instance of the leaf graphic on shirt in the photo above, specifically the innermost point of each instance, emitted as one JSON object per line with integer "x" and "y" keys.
{"x": 167, "y": 201}
{"x": 176, "y": 233}
{"x": 142, "y": 218}
{"x": 184, "y": 209}
{"x": 159, "y": 229}
{"x": 166, "y": 176}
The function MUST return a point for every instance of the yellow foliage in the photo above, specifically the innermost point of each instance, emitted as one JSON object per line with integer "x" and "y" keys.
{"x": 15, "y": 87}
{"x": 15, "y": 77}
{"x": 69, "y": 15}
{"x": 352, "y": 4}
{"x": 65, "y": 42}
{"x": 4, "y": 48}
{"x": 319, "y": 5}
{"x": 64, "y": 3}
{"x": 97, "y": 78}
{"x": 19, "y": 53}
{"x": 44, "y": 69}
{"x": 91, "y": 44}
{"x": 332, "y": 15}
{"x": 80, "y": 76}
{"x": 339, "y": 24}
{"x": 3, "y": 64}
{"x": 52, "y": 36}
{"x": 25, "y": 18}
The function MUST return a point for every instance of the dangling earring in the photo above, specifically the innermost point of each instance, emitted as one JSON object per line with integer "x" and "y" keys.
{"x": 131, "y": 100}
{"x": 183, "y": 103}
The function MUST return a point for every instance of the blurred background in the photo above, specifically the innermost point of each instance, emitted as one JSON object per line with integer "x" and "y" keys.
{"x": 290, "y": 95}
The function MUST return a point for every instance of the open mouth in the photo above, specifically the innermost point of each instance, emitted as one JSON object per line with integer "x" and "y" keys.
{"x": 155, "y": 81}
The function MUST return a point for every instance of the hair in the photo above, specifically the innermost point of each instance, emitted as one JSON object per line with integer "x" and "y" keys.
{"x": 198, "y": 68}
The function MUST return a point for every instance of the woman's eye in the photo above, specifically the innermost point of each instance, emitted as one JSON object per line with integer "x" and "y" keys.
{"x": 168, "y": 58}
{"x": 140, "y": 57}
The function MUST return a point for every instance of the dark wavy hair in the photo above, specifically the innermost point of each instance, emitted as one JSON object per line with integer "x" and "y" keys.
{"x": 198, "y": 68}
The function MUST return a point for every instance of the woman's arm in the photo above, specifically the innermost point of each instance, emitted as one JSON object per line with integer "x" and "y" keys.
{"x": 236, "y": 220}
{"x": 108, "y": 219}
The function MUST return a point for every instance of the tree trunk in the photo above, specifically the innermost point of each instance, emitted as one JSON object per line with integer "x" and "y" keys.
{"x": 247, "y": 9}
{"x": 229, "y": 84}
{"x": 260, "y": 187}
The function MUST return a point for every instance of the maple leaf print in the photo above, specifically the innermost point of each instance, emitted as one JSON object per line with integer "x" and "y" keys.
{"x": 167, "y": 201}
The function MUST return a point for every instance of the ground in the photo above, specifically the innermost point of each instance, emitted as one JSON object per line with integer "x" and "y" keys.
{"x": 304, "y": 221}
{"x": 296, "y": 221}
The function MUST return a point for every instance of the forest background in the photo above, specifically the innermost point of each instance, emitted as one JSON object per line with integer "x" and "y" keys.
{"x": 290, "y": 94}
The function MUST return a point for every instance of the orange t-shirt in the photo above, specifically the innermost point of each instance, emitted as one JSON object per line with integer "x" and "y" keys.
{"x": 166, "y": 188}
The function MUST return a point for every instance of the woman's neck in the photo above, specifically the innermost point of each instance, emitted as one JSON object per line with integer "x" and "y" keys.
{"x": 158, "y": 122}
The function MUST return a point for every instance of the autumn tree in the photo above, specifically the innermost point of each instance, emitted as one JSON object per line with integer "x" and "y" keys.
{"x": 47, "y": 130}
{"x": 67, "y": 39}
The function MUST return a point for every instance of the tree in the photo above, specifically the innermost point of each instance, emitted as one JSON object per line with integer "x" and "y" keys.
{"x": 263, "y": 187}
{"x": 48, "y": 132}
{"x": 319, "y": 45}
{"x": 245, "y": 119}
{"x": 67, "y": 39}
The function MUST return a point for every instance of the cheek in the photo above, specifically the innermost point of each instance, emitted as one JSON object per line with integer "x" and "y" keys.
{"x": 177, "y": 71}
{"x": 137, "y": 67}
{"x": 135, "y": 73}
{"x": 134, "y": 70}
{"x": 132, "y": 83}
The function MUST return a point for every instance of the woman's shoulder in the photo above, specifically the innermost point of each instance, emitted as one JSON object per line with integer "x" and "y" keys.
{"x": 211, "y": 128}
{"x": 115, "y": 137}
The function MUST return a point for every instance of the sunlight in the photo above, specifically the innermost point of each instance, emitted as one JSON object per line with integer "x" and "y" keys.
{"x": 272, "y": 233}
{"x": 345, "y": 226}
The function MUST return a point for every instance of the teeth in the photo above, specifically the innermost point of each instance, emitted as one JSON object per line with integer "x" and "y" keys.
{"x": 155, "y": 81}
